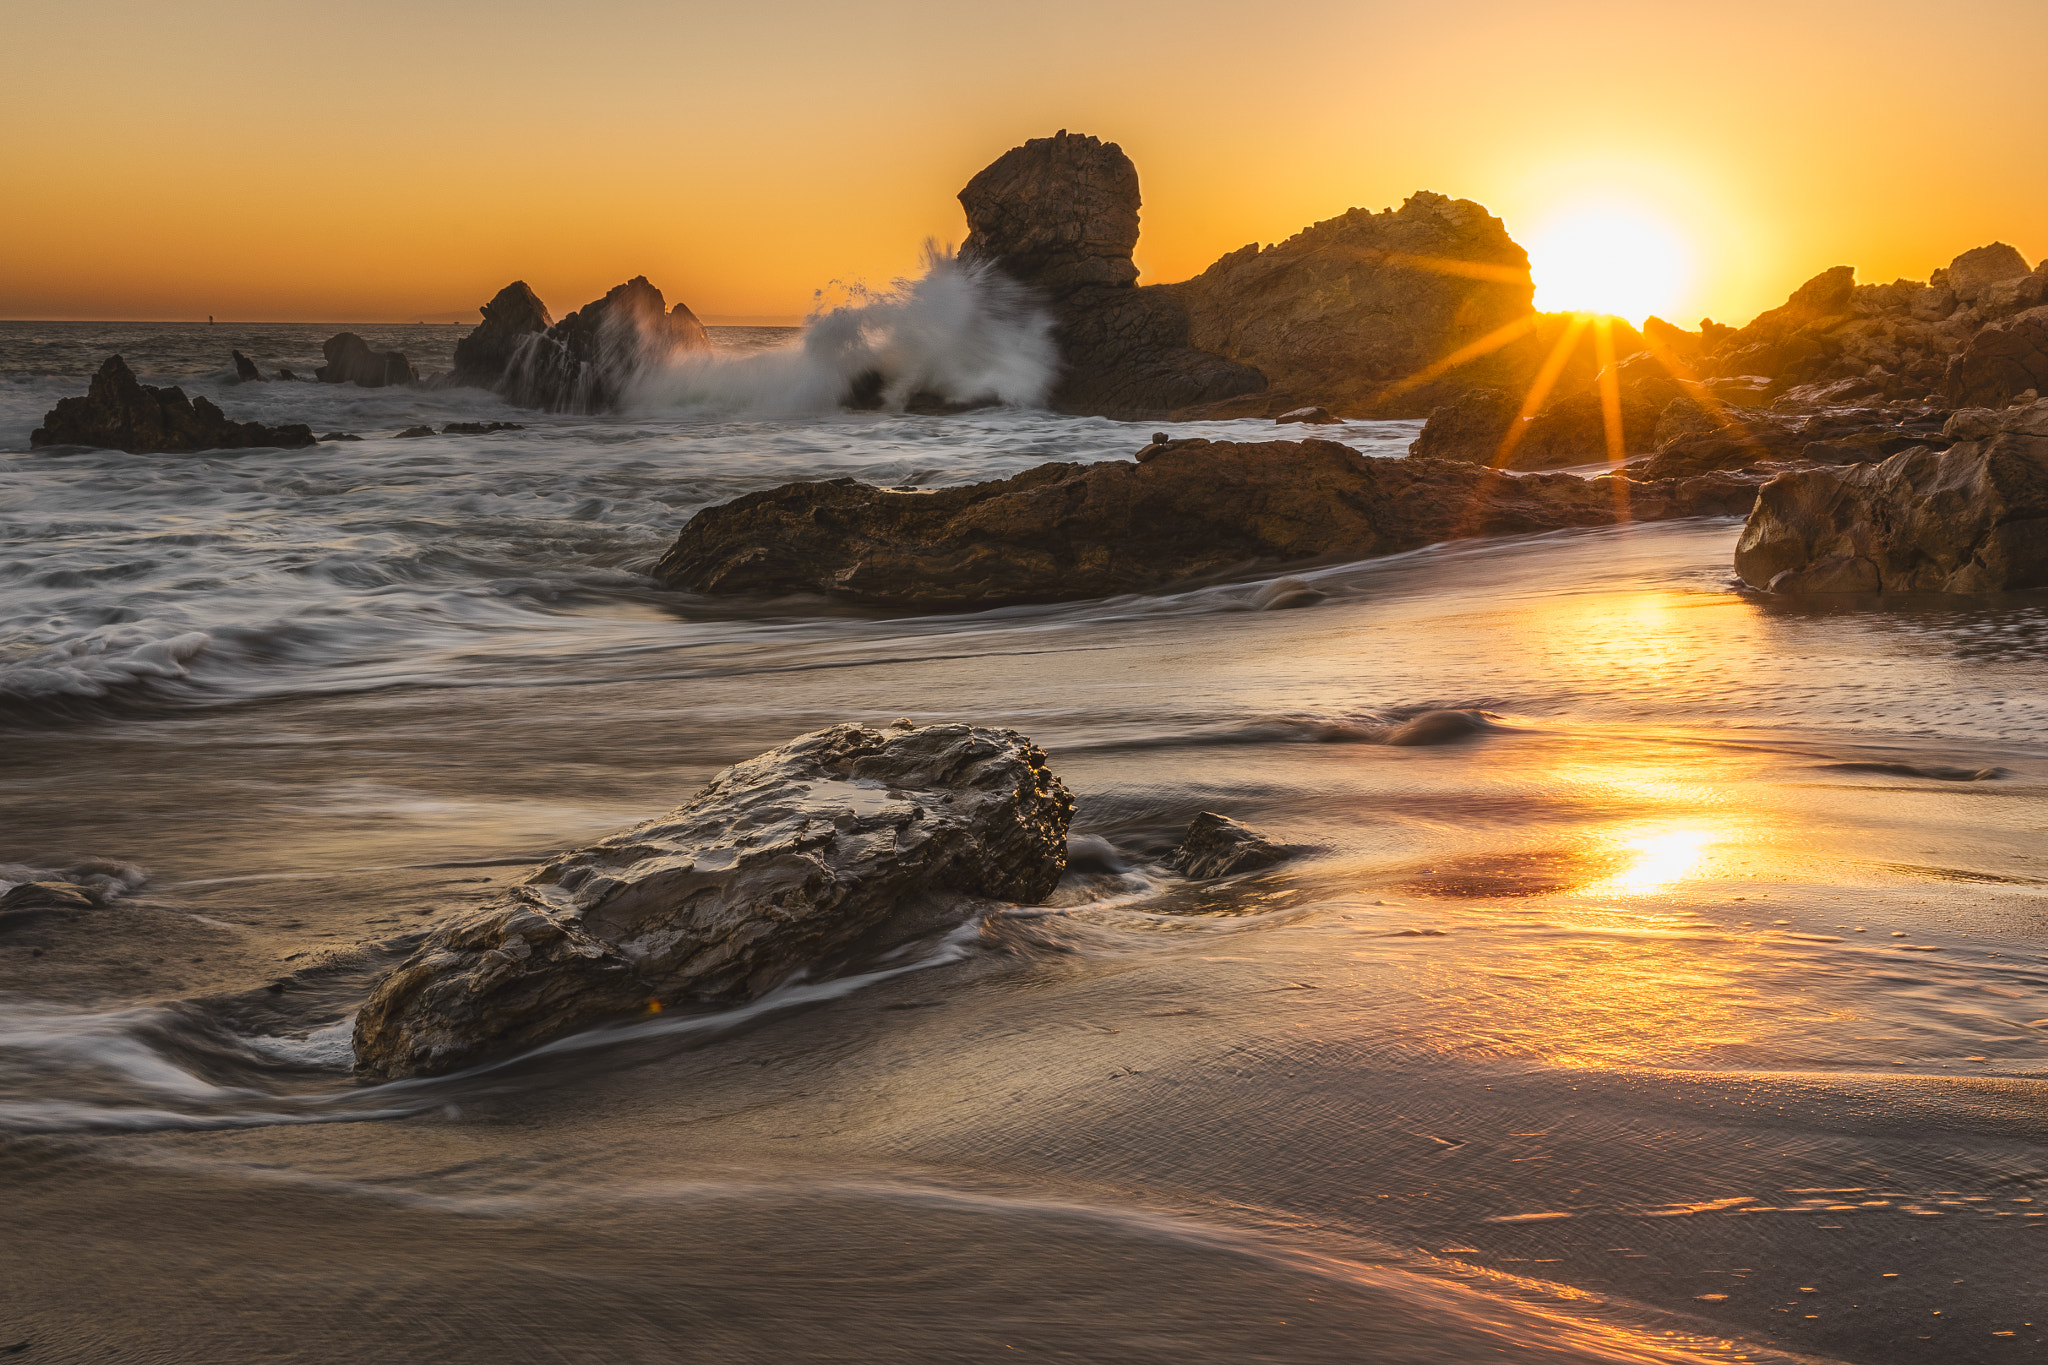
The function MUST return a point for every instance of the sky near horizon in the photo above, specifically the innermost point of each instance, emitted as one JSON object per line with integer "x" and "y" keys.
{"x": 390, "y": 161}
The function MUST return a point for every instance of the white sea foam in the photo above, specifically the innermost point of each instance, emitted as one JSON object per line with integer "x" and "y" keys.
{"x": 959, "y": 332}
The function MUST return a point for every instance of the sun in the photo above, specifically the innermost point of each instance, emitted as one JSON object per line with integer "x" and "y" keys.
{"x": 1610, "y": 257}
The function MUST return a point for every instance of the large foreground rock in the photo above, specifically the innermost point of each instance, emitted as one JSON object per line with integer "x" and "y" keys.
{"x": 1971, "y": 518}
{"x": 588, "y": 360}
{"x": 1068, "y": 531}
{"x": 352, "y": 360}
{"x": 845, "y": 841}
{"x": 118, "y": 412}
{"x": 513, "y": 314}
{"x": 1060, "y": 215}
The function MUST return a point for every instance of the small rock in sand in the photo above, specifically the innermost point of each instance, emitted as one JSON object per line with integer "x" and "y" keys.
{"x": 1216, "y": 846}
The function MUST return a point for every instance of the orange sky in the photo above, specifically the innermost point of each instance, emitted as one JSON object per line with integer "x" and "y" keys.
{"x": 386, "y": 160}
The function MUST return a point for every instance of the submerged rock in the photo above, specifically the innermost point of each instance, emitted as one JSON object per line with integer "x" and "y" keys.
{"x": 512, "y": 315}
{"x": 1192, "y": 507}
{"x": 1972, "y": 518}
{"x": 352, "y": 360}
{"x": 118, "y": 412}
{"x": 1312, "y": 415}
{"x": 843, "y": 842}
{"x": 587, "y": 361}
{"x": 1217, "y": 846}
{"x": 246, "y": 371}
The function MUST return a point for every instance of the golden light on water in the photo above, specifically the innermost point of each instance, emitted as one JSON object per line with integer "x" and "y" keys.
{"x": 1658, "y": 862}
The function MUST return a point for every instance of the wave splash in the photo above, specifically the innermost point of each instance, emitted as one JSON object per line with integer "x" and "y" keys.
{"x": 959, "y": 334}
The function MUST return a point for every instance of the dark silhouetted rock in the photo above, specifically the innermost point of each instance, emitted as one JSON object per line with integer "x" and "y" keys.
{"x": 1217, "y": 846}
{"x": 1066, "y": 531}
{"x": 351, "y": 360}
{"x": 413, "y": 432}
{"x": 287, "y": 376}
{"x": 1972, "y": 518}
{"x": 340, "y": 436}
{"x": 1060, "y": 215}
{"x": 588, "y": 360}
{"x": 482, "y": 357}
{"x": 813, "y": 857}
{"x": 120, "y": 413}
{"x": 1349, "y": 310}
{"x": 479, "y": 428}
{"x": 1313, "y": 416}
{"x": 2001, "y": 362}
{"x": 246, "y": 371}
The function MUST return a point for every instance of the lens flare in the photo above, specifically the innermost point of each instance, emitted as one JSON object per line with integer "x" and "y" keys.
{"x": 1609, "y": 258}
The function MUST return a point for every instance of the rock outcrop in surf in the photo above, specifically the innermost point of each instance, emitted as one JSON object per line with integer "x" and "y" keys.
{"x": 352, "y": 360}
{"x": 1184, "y": 510}
{"x": 118, "y": 412}
{"x": 1060, "y": 215}
{"x": 1345, "y": 314}
{"x": 839, "y": 845}
{"x": 1971, "y": 518}
{"x": 513, "y": 314}
{"x": 586, "y": 362}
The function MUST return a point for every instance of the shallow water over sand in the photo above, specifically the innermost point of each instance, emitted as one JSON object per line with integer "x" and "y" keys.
{"x": 1696, "y": 1008}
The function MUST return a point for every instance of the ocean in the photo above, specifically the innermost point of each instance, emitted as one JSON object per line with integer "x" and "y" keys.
{"x": 1723, "y": 949}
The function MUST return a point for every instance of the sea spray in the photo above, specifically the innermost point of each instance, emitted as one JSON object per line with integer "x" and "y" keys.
{"x": 959, "y": 333}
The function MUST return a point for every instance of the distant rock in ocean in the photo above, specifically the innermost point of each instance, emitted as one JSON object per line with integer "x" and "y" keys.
{"x": 812, "y": 858}
{"x": 351, "y": 360}
{"x": 584, "y": 363}
{"x": 1186, "y": 509}
{"x": 246, "y": 371}
{"x": 120, "y": 413}
{"x": 1968, "y": 519}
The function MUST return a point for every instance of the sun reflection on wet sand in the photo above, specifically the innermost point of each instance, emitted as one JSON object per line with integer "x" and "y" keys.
{"x": 1660, "y": 861}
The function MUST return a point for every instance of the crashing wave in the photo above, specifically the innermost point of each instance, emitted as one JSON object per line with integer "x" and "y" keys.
{"x": 959, "y": 335}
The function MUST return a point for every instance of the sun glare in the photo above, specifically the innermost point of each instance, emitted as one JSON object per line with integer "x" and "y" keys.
{"x": 1609, "y": 258}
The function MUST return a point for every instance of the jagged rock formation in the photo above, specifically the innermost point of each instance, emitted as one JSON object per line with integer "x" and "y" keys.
{"x": 1217, "y": 846}
{"x": 246, "y": 371}
{"x": 513, "y": 314}
{"x": 120, "y": 413}
{"x": 587, "y": 361}
{"x": 1971, "y": 518}
{"x": 1881, "y": 364}
{"x": 352, "y": 360}
{"x": 1189, "y": 508}
{"x": 837, "y": 846}
{"x": 1345, "y": 312}
{"x": 1060, "y": 214}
